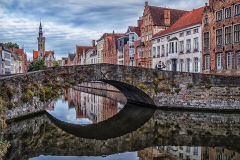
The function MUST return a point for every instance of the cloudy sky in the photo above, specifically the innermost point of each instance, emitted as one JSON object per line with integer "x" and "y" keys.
{"x": 67, "y": 23}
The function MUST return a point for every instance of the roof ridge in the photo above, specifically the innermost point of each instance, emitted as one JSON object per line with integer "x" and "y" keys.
{"x": 169, "y": 8}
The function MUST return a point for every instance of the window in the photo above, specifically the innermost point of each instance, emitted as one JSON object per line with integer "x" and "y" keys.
{"x": 171, "y": 47}
{"x": 154, "y": 51}
{"x": 237, "y": 9}
{"x": 181, "y": 155}
{"x": 147, "y": 36}
{"x": 188, "y": 149}
{"x": 188, "y": 158}
{"x": 188, "y": 64}
{"x": 206, "y": 40}
{"x": 188, "y": 45}
{"x": 142, "y": 37}
{"x": 238, "y": 60}
{"x": 195, "y": 30}
{"x": 206, "y": 20}
{"x": 188, "y": 33}
{"x": 219, "y": 15}
{"x": 146, "y": 21}
{"x": 219, "y": 37}
{"x": 168, "y": 37}
{"x": 220, "y": 61}
{"x": 181, "y": 34}
{"x": 196, "y": 61}
{"x": 195, "y": 151}
{"x": 195, "y": 44}
{"x": 230, "y": 60}
{"x": 181, "y": 147}
{"x": 150, "y": 34}
{"x": 158, "y": 40}
{"x": 181, "y": 70}
{"x": 158, "y": 50}
{"x": 237, "y": 33}
{"x": 181, "y": 46}
{"x": 228, "y": 12}
{"x": 207, "y": 62}
{"x": 228, "y": 35}
{"x": 163, "y": 50}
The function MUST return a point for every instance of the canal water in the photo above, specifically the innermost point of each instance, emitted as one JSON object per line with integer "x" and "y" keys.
{"x": 95, "y": 122}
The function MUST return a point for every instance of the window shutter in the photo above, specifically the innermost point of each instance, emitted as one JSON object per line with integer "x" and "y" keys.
{"x": 177, "y": 65}
{"x": 191, "y": 65}
{"x": 199, "y": 64}
{"x": 184, "y": 65}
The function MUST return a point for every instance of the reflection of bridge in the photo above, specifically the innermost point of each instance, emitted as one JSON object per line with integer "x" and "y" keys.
{"x": 165, "y": 128}
{"x": 144, "y": 85}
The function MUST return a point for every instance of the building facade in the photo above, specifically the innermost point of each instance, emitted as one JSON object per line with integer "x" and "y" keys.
{"x": 221, "y": 37}
{"x": 5, "y": 59}
{"x": 154, "y": 19}
{"x": 179, "y": 47}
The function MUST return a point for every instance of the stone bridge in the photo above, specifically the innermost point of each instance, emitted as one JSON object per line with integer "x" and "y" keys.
{"x": 165, "y": 89}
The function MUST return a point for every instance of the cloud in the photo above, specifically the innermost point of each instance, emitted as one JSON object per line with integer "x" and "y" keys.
{"x": 70, "y": 23}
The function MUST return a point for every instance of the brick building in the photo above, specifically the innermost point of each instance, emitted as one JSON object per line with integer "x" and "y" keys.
{"x": 221, "y": 37}
{"x": 154, "y": 20}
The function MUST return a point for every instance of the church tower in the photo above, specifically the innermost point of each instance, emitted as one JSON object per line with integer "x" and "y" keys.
{"x": 41, "y": 43}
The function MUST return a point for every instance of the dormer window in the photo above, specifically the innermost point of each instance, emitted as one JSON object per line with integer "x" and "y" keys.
{"x": 168, "y": 37}
{"x": 206, "y": 20}
{"x": 181, "y": 34}
{"x": 188, "y": 33}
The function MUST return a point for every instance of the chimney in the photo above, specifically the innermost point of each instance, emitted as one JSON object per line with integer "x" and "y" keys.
{"x": 167, "y": 17}
{"x": 211, "y": 3}
{"x": 93, "y": 43}
{"x": 146, "y": 3}
{"x": 140, "y": 21}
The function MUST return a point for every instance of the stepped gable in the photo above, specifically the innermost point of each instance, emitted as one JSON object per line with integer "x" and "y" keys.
{"x": 188, "y": 19}
{"x": 79, "y": 49}
{"x": 158, "y": 15}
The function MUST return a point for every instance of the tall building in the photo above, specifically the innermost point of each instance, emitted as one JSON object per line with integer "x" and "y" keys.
{"x": 41, "y": 53}
{"x": 221, "y": 37}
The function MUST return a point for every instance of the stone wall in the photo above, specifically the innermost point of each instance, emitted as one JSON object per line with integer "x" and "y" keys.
{"x": 142, "y": 85}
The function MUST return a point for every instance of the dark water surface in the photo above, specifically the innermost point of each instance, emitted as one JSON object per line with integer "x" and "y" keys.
{"x": 96, "y": 126}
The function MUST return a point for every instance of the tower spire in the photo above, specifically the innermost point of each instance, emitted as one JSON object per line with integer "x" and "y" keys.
{"x": 40, "y": 30}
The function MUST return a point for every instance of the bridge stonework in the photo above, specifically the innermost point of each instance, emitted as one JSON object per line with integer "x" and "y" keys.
{"x": 163, "y": 88}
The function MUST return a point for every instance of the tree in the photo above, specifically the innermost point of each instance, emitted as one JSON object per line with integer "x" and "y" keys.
{"x": 38, "y": 65}
{"x": 12, "y": 45}
{"x": 56, "y": 64}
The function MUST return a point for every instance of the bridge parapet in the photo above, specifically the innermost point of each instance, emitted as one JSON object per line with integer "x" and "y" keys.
{"x": 164, "y": 88}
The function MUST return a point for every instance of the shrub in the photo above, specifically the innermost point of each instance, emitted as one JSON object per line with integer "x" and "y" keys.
{"x": 190, "y": 85}
{"x": 72, "y": 82}
{"x": 177, "y": 90}
{"x": 208, "y": 86}
{"x": 142, "y": 86}
{"x": 128, "y": 79}
{"x": 27, "y": 96}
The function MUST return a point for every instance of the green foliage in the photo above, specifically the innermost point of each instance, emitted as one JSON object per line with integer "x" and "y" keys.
{"x": 72, "y": 82}
{"x": 66, "y": 85}
{"x": 38, "y": 65}
{"x": 190, "y": 85}
{"x": 27, "y": 96}
{"x": 128, "y": 79}
{"x": 81, "y": 78}
{"x": 142, "y": 86}
{"x": 177, "y": 90}
{"x": 12, "y": 45}
{"x": 56, "y": 64}
{"x": 208, "y": 86}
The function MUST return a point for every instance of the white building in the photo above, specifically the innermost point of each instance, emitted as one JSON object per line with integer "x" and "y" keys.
{"x": 5, "y": 59}
{"x": 16, "y": 64}
{"x": 184, "y": 152}
{"x": 100, "y": 49}
{"x": 180, "y": 46}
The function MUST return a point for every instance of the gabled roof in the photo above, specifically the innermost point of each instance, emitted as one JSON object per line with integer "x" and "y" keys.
{"x": 137, "y": 30}
{"x": 191, "y": 18}
{"x": 14, "y": 55}
{"x": 79, "y": 49}
{"x": 157, "y": 14}
{"x": 48, "y": 52}
{"x": 19, "y": 52}
{"x": 71, "y": 56}
{"x": 35, "y": 54}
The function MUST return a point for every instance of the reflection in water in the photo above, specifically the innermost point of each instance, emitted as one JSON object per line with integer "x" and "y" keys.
{"x": 83, "y": 108}
{"x": 134, "y": 133}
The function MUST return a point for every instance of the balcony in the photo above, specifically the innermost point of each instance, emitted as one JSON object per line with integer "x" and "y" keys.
{"x": 172, "y": 55}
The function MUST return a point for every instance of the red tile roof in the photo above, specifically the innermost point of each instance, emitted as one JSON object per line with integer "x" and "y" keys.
{"x": 188, "y": 19}
{"x": 157, "y": 14}
{"x": 137, "y": 30}
{"x": 48, "y": 52}
{"x": 79, "y": 49}
{"x": 35, "y": 54}
{"x": 19, "y": 51}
